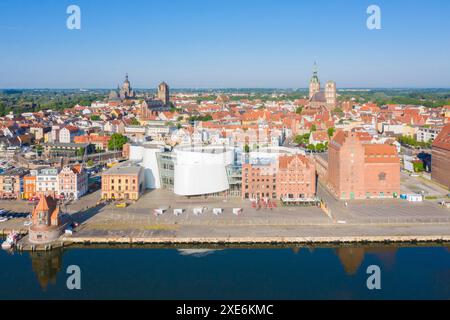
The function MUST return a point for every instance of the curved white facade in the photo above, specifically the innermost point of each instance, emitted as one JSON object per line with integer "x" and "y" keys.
{"x": 136, "y": 152}
{"x": 146, "y": 155}
{"x": 202, "y": 170}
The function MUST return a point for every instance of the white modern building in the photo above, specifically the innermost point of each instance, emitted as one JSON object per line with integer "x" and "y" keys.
{"x": 146, "y": 155}
{"x": 202, "y": 170}
{"x": 191, "y": 170}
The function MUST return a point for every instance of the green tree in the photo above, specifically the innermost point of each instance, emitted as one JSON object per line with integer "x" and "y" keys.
{"x": 321, "y": 147}
{"x": 39, "y": 149}
{"x": 117, "y": 141}
{"x": 302, "y": 139}
{"x": 299, "y": 110}
{"x": 135, "y": 122}
{"x": 247, "y": 148}
{"x": 330, "y": 132}
{"x": 95, "y": 117}
{"x": 2, "y": 109}
{"x": 311, "y": 147}
{"x": 313, "y": 128}
{"x": 90, "y": 163}
{"x": 418, "y": 167}
{"x": 80, "y": 152}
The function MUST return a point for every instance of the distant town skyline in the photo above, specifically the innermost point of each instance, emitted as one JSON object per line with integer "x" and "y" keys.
{"x": 224, "y": 44}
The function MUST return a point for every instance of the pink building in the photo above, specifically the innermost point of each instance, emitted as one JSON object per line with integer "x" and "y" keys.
{"x": 290, "y": 177}
{"x": 296, "y": 178}
{"x": 73, "y": 182}
{"x": 259, "y": 181}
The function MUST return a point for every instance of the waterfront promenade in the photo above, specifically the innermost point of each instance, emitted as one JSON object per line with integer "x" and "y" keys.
{"x": 359, "y": 221}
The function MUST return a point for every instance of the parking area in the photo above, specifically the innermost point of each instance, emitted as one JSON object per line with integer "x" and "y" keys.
{"x": 420, "y": 185}
{"x": 221, "y": 211}
{"x": 11, "y": 220}
{"x": 397, "y": 210}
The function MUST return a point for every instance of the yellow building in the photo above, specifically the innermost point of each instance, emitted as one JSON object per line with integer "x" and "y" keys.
{"x": 125, "y": 181}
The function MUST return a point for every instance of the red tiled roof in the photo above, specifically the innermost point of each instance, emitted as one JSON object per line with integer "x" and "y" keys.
{"x": 284, "y": 161}
{"x": 380, "y": 153}
{"x": 442, "y": 141}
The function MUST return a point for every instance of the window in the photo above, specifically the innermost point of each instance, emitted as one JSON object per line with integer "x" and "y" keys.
{"x": 382, "y": 176}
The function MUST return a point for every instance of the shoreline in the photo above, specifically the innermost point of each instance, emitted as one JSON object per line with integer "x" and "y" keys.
{"x": 259, "y": 240}
{"x": 87, "y": 242}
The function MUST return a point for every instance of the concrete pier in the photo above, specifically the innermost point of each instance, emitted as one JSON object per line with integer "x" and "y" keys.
{"x": 257, "y": 240}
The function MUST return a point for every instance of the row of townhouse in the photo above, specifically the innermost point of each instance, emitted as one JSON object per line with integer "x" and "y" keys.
{"x": 11, "y": 183}
{"x": 69, "y": 183}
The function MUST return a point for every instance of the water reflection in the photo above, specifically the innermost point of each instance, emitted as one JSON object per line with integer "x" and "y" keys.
{"x": 46, "y": 266}
{"x": 199, "y": 253}
{"x": 352, "y": 258}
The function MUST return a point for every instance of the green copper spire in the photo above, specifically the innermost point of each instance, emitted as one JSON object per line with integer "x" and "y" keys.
{"x": 315, "y": 78}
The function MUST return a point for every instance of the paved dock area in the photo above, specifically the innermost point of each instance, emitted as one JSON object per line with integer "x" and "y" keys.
{"x": 366, "y": 219}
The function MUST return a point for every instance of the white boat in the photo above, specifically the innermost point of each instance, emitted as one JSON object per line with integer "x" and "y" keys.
{"x": 10, "y": 241}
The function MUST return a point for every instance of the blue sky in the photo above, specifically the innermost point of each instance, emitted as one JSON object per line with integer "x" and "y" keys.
{"x": 224, "y": 43}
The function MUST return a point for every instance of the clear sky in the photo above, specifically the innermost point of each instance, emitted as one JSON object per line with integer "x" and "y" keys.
{"x": 224, "y": 43}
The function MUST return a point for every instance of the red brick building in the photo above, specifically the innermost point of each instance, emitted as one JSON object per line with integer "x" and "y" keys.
{"x": 47, "y": 224}
{"x": 259, "y": 181}
{"x": 360, "y": 170}
{"x": 440, "y": 165}
{"x": 292, "y": 176}
{"x": 296, "y": 178}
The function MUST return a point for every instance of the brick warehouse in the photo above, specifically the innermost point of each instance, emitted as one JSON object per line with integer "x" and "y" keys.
{"x": 361, "y": 170}
{"x": 290, "y": 177}
{"x": 440, "y": 165}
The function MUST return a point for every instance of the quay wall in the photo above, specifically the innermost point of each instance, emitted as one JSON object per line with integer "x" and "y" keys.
{"x": 258, "y": 240}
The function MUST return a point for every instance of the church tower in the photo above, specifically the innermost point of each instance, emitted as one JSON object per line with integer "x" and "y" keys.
{"x": 330, "y": 94}
{"x": 126, "y": 92}
{"x": 163, "y": 94}
{"x": 314, "y": 85}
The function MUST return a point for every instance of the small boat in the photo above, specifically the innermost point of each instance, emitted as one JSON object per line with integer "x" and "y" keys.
{"x": 10, "y": 241}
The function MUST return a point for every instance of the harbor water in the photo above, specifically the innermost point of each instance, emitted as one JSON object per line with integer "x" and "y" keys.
{"x": 269, "y": 273}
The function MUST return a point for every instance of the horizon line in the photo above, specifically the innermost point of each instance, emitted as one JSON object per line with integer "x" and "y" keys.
{"x": 230, "y": 88}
